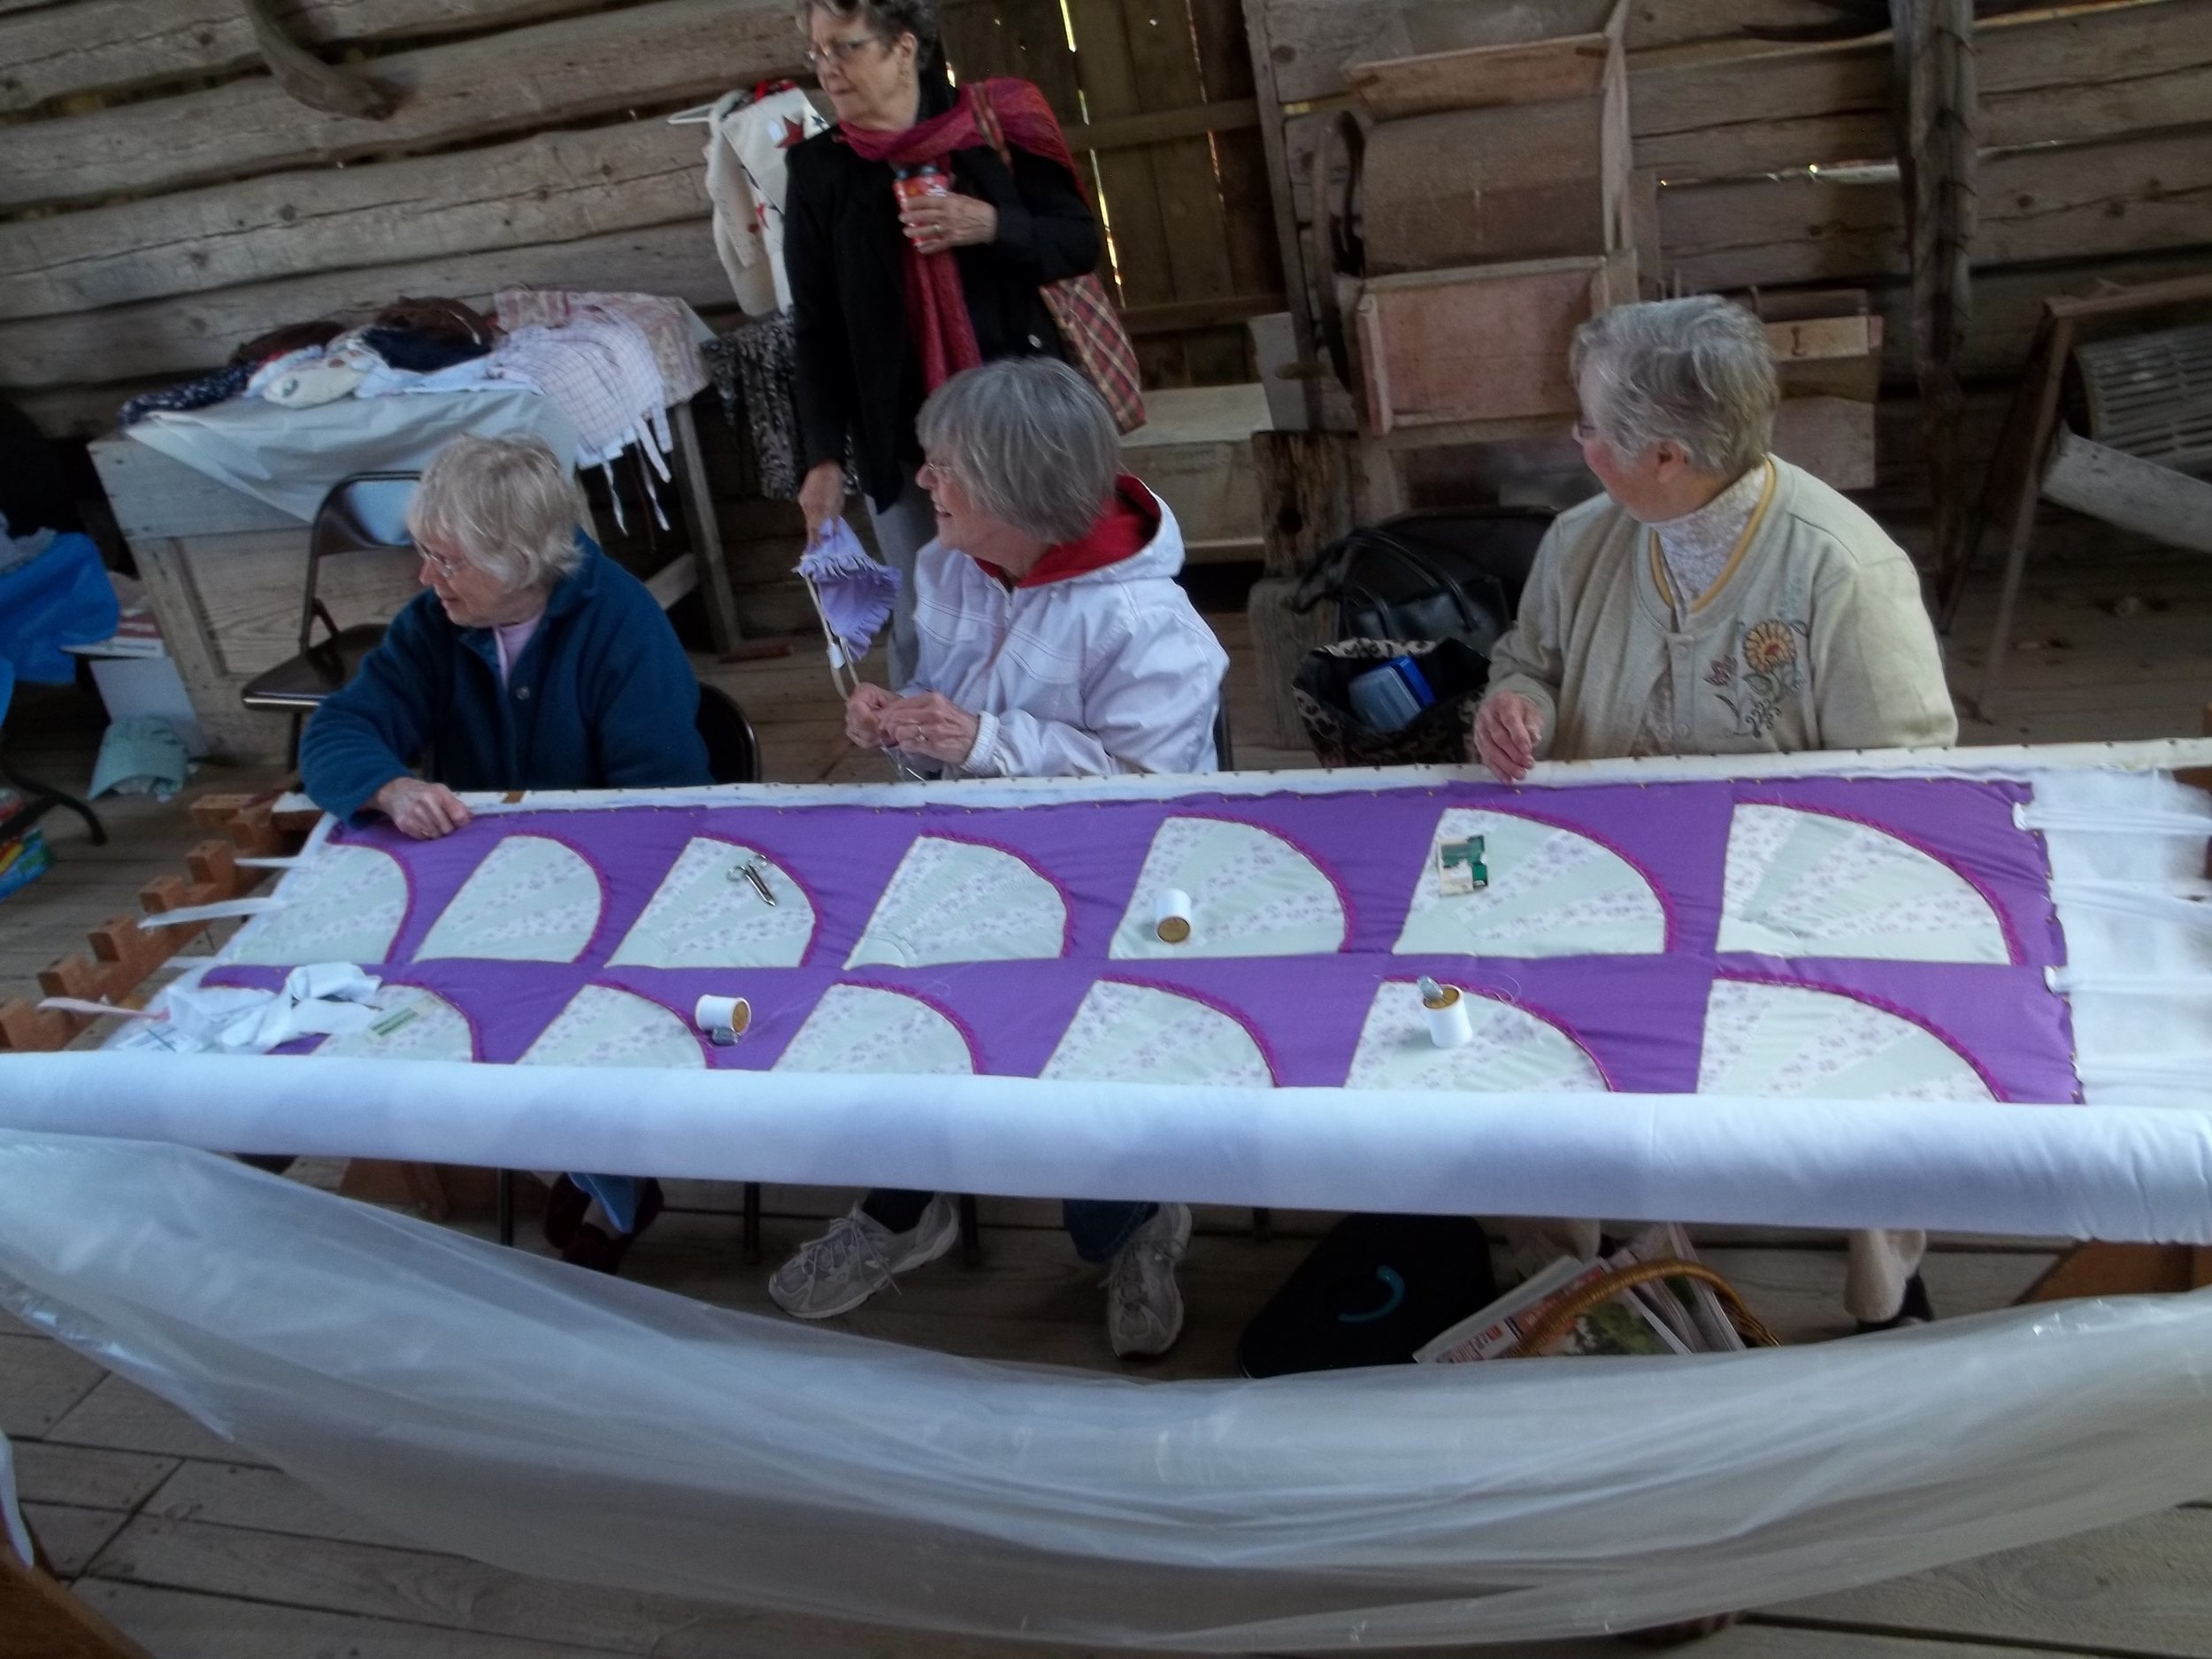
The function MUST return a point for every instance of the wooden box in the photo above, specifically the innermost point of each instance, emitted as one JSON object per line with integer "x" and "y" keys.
{"x": 1828, "y": 357}
{"x": 1508, "y": 151}
{"x": 1478, "y": 56}
{"x": 1480, "y": 352}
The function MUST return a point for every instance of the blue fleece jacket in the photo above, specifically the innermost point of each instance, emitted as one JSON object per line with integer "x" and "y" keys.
{"x": 602, "y": 698}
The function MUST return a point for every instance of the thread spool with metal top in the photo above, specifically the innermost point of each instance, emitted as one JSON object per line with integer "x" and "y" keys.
{"x": 1445, "y": 1008}
{"x": 1171, "y": 917}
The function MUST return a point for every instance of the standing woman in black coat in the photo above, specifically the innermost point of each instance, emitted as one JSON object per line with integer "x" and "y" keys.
{"x": 914, "y": 251}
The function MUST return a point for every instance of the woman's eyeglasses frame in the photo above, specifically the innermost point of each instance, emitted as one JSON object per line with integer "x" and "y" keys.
{"x": 840, "y": 52}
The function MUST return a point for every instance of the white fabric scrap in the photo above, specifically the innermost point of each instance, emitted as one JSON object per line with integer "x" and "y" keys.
{"x": 333, "y": 998}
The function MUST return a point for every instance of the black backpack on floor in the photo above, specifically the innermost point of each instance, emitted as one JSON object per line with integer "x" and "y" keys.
{"x": 1375, "y": 1288}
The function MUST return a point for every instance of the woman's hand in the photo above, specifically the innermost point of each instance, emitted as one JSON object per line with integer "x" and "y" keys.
{"x": 424, "y": 811}
{"x": 1508, "y": 728}
{"x": 864, "y": 728}
{"x": 822, "y": 497}
{"x": 930, "y": 724}
{"x": 934, "y": 223}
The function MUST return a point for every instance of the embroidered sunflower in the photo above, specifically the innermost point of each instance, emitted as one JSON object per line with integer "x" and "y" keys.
{"x": 1768, "y": 646}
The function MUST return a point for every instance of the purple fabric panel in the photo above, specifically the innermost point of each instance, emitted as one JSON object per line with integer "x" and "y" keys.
{"x": 1640, "y": 1017}
{"x": 1965, "y": 825}
{"x": 2017, "y": 1033}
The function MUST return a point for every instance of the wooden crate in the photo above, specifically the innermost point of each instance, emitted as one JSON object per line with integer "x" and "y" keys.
{"x": 1531, "y": 54}
{"x": 1195, "y": 450}
{"x": 1481, "y": 345}
{"x": 1501, "y": 152}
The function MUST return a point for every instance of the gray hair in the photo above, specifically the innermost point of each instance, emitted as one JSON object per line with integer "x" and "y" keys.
{"x": 507, "y": 505}
{"x": 887, "y": 19}
{"x": 1695, "y": 373}
{"x": 1030, "y": 439}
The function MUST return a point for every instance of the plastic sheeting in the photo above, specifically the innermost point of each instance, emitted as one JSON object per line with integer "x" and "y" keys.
{"x": 558, "y": 1422}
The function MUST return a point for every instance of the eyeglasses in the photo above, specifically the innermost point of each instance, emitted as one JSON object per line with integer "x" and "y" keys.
{"x": 842, "y": 52}
{"x": 1585, "y": 429}
{"x": 931, "y": 474}
{"x": 445, "y": 567}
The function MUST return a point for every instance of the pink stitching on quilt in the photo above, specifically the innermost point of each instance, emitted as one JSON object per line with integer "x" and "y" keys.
{"x": 951, "y": 1016}
{"x": 681, "y": 1016}
{"x": 468, "y": 1020}
{"x": 1204, "y": 999}
{"x": 1564, "y": 1028}
{"x": 1875, "y": 1000}
{"x": 2014, "y": 950}
{"x": 814, "y": 908}
{"x": 1343, "y": 896}
{"x": 1671, "y": 939}
{"x": 1067, "y": 899}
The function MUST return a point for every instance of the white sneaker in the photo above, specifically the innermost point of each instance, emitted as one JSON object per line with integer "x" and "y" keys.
{"x": 1144, "y": 1304}
{"x": 859, "y": 1257}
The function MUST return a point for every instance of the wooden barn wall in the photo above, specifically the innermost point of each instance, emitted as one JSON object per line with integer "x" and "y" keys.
{"x": 162, "y": 199}
{"x": 2098, "y": 119}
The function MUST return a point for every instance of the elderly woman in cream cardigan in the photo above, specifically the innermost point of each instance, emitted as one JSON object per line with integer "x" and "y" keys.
{"x": 1716, "y": 600}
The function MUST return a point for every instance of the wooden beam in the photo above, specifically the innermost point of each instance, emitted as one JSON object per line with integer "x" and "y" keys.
{"x": 1173, "y": 319}
{"x": 39, "y": 1619}
{"x": 526, "y": 79}
{"x": 198, "y": 332}
{"x": 2045, "y": 77}
{"x": 1937, "y": 145}
{"x": 106, "y": 46}
{"x": 305, "y": 78}
{"x": 2136, "y": 194}
{"x": 550, "y": 187}
{"x": 1297, "y": 278}
{"x": 1124, "y": 131}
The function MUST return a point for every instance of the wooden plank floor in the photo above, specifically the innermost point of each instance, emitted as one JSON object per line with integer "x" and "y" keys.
{"x": 200, "y": 1551}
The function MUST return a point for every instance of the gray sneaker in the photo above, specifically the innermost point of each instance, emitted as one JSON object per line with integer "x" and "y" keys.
{"x": 1144, "y": 1304}
{"x": 859, "y": 1257}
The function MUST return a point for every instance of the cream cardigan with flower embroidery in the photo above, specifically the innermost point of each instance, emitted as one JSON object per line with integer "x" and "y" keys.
{"x": 1813, "y": 636}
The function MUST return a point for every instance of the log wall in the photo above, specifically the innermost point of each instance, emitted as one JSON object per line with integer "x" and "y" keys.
{"x": 162, "y": 199}
{"x": 1771, "y": 160}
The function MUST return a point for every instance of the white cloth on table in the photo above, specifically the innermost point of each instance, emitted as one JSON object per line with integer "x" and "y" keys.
{"x": 746, "y": 183}
{"x": 289, "y": 457}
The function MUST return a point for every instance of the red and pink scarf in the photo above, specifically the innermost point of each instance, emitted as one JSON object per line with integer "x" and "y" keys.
{"x": 936, "y": 310}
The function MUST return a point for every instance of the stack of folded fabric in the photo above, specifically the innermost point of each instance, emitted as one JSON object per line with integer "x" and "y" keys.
{"x": 613, "y": 362}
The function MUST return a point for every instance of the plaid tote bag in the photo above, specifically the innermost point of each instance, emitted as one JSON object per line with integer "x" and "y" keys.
{"x": 1084, "y": 315}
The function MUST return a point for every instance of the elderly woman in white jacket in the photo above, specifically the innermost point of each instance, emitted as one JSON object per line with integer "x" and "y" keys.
{"x": 1053, "y": 643}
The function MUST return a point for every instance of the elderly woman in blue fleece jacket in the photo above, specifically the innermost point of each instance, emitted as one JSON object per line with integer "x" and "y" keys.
{"x": 532, "y": 662}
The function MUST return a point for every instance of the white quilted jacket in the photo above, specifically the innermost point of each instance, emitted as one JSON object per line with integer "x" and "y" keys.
{"x": 1110, "y": 671}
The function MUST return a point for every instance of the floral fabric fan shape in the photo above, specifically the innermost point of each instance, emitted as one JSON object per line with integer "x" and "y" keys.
{"x": 852, "y": 594}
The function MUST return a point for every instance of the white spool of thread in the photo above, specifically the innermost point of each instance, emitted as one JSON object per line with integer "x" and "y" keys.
{"x": 1449, "y": 1026}
{"x": 1170, "y": 919}
{"x": 714, "y": 1014}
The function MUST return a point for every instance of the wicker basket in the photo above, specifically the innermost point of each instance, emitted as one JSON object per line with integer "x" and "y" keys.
{"x": 1564, "y": 1312}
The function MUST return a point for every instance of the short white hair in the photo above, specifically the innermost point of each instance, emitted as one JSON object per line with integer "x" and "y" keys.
{"x": 507, "y": 505}
{"x": 1030, "y": 440}
{"x": 1695, "y": 373}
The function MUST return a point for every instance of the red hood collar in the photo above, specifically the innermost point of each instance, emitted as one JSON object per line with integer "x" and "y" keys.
{"x": 1126, "y": 528}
